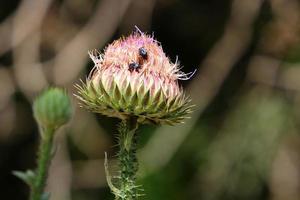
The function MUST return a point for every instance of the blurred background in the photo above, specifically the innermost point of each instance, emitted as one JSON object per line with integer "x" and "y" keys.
{"x": 242, "y": 141}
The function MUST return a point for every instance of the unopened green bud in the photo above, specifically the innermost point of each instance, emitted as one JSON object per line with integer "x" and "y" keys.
{"x": 52, "y": 108}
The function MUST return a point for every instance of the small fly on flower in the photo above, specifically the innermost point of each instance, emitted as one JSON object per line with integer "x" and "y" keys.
{"x": 143, "y": 53}
{"x": 134, "y": 66}
{"x": 143, "y": 56}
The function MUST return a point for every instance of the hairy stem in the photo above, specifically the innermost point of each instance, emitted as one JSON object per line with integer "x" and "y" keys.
{"x": 128, "y": 160}
{"x": 44, "y": 158}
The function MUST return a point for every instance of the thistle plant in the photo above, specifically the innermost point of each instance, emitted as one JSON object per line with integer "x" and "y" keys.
{"x": 136, "y": 82}
{"x": 51, "y": 110}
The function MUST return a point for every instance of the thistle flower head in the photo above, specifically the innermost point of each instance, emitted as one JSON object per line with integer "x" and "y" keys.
{"x": 134, "y": 77}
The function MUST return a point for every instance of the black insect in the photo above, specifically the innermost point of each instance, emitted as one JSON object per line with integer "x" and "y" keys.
{"x": 134, "y": 66}
{"x": 143, "y": 53}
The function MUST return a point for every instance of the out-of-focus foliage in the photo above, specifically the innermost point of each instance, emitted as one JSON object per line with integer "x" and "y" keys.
{"x": 242, "y": 152}
{"x": 241, "y": 142}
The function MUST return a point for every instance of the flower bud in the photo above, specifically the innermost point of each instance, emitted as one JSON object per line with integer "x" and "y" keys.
{"x": 134, "y": 78}
{"x": 52, "y": 108}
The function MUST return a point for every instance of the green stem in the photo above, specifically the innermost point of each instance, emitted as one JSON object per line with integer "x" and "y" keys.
{"x": 44, "y": 158}
{"x": 128, "y": 160}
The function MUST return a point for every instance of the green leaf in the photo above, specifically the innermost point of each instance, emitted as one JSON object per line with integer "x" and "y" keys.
{"x": 28, "y": 176}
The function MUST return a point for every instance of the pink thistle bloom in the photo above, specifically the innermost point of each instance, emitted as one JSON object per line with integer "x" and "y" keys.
{"x": 134, "y": 78}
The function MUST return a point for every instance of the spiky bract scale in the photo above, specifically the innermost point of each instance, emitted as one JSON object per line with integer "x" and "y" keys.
{"x": 151, "y": 93}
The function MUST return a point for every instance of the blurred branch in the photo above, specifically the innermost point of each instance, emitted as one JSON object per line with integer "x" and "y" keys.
{"x": 5, "y": 35}
{"x": 71, "y": 59}
{"x": 92, "y": 144}
{"x": 29, "y": 73}
{"x": 28, "y": 70}
{"x": 26, "y": 45}
{"x": 60, "y": 173}
{"x": 28, "y": 19}
{"x": 7, "y": 106}
{"x": 139, "y": 13}
{"x": 89, "y": 174}
{"x": 283, "y": 32}
{"x": 280, "y": 36}
{"x": 22, "y": 23}
{"x": 203, "y": 89}
{"x": 284, "y": 181}
{"x": 14, "y": 30}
